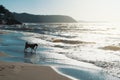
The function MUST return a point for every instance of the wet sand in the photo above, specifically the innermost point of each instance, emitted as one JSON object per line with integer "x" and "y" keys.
{"x": 3, "y": 54}
{"x": 113, "y": 48}
{"x": 71, "y": 41}
{"x": 3, "y": 32}
{"x": 24, "y": 71}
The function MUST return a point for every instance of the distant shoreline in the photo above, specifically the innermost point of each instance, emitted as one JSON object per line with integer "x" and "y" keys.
{"x": 31, "y": 18}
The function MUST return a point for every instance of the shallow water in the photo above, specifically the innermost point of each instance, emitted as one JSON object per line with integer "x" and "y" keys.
{"x": 80, "y": 45}
{"x": 81, "y": 74}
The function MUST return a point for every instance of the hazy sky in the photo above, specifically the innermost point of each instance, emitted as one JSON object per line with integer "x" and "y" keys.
{"x": 90, "y": 10}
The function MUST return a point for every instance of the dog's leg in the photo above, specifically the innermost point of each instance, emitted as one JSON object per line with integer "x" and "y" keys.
{"x": 32, "y": 50}
{"x": 35, "y": 49}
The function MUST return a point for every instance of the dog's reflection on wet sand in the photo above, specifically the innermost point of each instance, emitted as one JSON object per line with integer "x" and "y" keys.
{"x": 28, "y": 56}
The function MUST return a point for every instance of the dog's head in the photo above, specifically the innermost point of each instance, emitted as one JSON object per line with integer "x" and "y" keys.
{"x": 36, "y": 44}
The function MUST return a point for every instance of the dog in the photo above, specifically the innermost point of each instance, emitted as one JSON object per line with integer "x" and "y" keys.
{"x": 33, "y": 47}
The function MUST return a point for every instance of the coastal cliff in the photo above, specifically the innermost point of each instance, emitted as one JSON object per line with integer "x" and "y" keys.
{"x": 31, "y": 18}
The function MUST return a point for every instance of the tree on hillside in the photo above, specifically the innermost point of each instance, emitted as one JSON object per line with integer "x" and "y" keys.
{"x": 6, "y": 17}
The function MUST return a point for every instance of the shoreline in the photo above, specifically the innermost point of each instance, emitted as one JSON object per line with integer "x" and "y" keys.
{"x": 25, "y": 71}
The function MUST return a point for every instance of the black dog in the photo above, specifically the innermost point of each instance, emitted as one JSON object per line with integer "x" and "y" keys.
{"x": 32, "y": 46}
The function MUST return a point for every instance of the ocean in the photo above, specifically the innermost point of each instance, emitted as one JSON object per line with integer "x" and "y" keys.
{"x": 71, "y": 47}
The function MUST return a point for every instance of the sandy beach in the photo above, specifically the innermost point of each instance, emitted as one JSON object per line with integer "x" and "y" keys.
{"x": 23, "y": 71}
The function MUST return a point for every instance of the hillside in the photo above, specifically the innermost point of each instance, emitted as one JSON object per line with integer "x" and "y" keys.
{"x": 30, "y": 18}
{"x": 6, "y": 17}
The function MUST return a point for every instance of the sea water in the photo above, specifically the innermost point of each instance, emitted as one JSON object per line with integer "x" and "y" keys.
{"x": 91, "y": 46}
